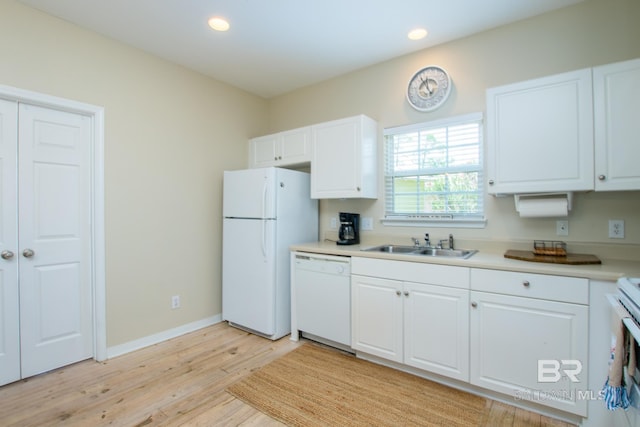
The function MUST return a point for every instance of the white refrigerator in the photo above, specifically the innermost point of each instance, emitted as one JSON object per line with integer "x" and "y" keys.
{"x": 264, "y": 212}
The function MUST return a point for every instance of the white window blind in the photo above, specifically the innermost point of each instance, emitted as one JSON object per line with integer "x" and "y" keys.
{"x": 434, "y": 171}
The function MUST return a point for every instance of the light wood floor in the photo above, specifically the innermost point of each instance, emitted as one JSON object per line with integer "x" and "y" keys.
{"x": 180, "y": 382}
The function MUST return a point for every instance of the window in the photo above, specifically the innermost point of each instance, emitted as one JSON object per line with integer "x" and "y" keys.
{"x": 434, "y": 174}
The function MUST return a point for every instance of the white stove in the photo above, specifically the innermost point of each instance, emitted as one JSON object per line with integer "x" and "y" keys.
{"x": 629, "y": 296}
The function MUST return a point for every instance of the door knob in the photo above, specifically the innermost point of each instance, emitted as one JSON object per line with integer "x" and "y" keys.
{"x": 6, "y": 254}
{"x": 27, "y": 253}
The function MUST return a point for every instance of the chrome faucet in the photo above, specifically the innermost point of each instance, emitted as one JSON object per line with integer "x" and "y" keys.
{"x": 427, "y": 240}
{"x": 449, "y": 242}
{"x": 416, "y": 242}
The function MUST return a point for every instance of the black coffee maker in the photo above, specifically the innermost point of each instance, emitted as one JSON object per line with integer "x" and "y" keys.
{"x": 349, "y": 233}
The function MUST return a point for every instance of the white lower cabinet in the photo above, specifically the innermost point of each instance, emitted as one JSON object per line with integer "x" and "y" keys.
{"x": 532, "y": 349}
{"x": 376, "y": 316}
{"x": 423, "y": 325}
{"x": 523, "y": 335}
{"x": 436, "y": 329}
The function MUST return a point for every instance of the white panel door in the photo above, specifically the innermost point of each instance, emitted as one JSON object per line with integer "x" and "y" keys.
{"x": 55, "y": 236}
{"x": 9, "y": 312}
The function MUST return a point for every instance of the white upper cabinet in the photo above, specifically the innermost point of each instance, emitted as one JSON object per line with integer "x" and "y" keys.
{"x": 289, "y": 148}
{"x": 616, "y": 94}
{"x": 343, "y": 159}
{"x": 540, "y": 135}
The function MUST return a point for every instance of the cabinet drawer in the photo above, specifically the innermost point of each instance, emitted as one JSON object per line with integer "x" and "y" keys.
{"x": 542, "y": 286}
{"x": 431, "y": 274}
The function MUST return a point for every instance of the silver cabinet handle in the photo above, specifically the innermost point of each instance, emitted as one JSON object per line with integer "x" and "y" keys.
{"x": 6, "y": 254}
{"x": 491, "y": 182}
{"x": 28, "y": 253}
{"x": 406, "y": 293}
{"x": 474, "y": 304}
{"x": 526, "y": 284}
{"x": 602, "y": 177}
{"x": 398, "y": 293}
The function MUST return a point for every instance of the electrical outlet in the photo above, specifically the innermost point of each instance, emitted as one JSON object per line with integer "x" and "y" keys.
{"x": 175, "y": 302}
{"x": 616, "y": 229}
{"x": 334, "y": 223}
{"x": 367, "y": 223}
{"x": 562, "y": 228}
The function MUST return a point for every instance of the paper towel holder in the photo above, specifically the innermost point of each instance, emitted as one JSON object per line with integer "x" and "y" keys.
{"x": 532, "y": 196}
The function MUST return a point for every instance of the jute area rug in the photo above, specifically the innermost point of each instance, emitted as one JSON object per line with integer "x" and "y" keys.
{"x": 316, "y": 386}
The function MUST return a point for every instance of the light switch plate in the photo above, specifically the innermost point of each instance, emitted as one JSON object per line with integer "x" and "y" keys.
{"x": 367, "y": 224}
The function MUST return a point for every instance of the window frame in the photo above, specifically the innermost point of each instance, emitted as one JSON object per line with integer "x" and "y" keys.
{"x": 437, "y": 220}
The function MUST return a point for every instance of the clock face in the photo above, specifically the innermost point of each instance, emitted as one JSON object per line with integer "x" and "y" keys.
{"x": 429, "y": 88}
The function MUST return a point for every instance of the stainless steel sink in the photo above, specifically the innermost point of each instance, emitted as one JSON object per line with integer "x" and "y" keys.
{"x": 454, "y": 253}
{"x": 413, "y": 250}
{"x": 398, "y": 249}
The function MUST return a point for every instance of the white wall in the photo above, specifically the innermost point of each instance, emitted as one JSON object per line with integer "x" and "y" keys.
{"x": 591, "y": 33}
{"x": 169, "y": 134}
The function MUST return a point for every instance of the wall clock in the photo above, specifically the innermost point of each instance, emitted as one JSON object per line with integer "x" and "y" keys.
{"x": 429, "y": 88}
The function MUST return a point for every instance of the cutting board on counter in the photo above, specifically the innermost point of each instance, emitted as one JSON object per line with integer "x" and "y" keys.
{"x": 571, "y": 259}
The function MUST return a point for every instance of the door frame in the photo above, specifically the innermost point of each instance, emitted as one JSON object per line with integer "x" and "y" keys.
{"x": 98, "y": 282}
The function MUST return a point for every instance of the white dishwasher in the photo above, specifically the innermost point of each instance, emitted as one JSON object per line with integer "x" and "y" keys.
{"x": 322, "y": 298}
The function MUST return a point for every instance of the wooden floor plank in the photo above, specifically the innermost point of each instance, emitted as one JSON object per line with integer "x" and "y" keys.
{"x": 524, "y": 418}
{"x": 179, "y": 382}
{"x": 501, "y": 415}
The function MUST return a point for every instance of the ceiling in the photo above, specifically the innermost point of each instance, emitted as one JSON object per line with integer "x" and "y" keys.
{"x": 276, "y": 46}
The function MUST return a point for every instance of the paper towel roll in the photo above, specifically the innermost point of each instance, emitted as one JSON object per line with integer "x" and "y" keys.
{"x": 543, "y": 207}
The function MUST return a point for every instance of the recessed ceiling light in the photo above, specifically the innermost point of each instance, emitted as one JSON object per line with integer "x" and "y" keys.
{"x": 218, "y": 23}
{"x": 417, "y": 34}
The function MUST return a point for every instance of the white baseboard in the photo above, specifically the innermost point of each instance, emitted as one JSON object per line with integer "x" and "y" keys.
{"x": 130, "y": 346}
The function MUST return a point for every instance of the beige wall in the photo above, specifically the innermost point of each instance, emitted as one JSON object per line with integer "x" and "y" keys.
{"x": 592, "y": 33}
{"x": 169, "y": 134}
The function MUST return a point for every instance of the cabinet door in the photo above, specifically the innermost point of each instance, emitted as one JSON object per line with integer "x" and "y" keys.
{"x": 510, "y": 335}
{"x": 616, "y": 96}
{"x": 343, "y": 159}
{"x": 263, "y": 151}
{"x": 540, "y": 135}
{"x": 436, "y": 328}
{"x": 376, "y": 316}
{"x": 295, "y": 146}
{"x": 289, "y": 148}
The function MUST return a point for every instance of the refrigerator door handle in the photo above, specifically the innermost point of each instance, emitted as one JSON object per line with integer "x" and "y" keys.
{"x": 264, "y": 200}
{"x": 264, "y": 239}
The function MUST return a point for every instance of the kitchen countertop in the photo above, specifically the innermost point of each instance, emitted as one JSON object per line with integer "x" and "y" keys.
{"x": 609, "y": 270}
